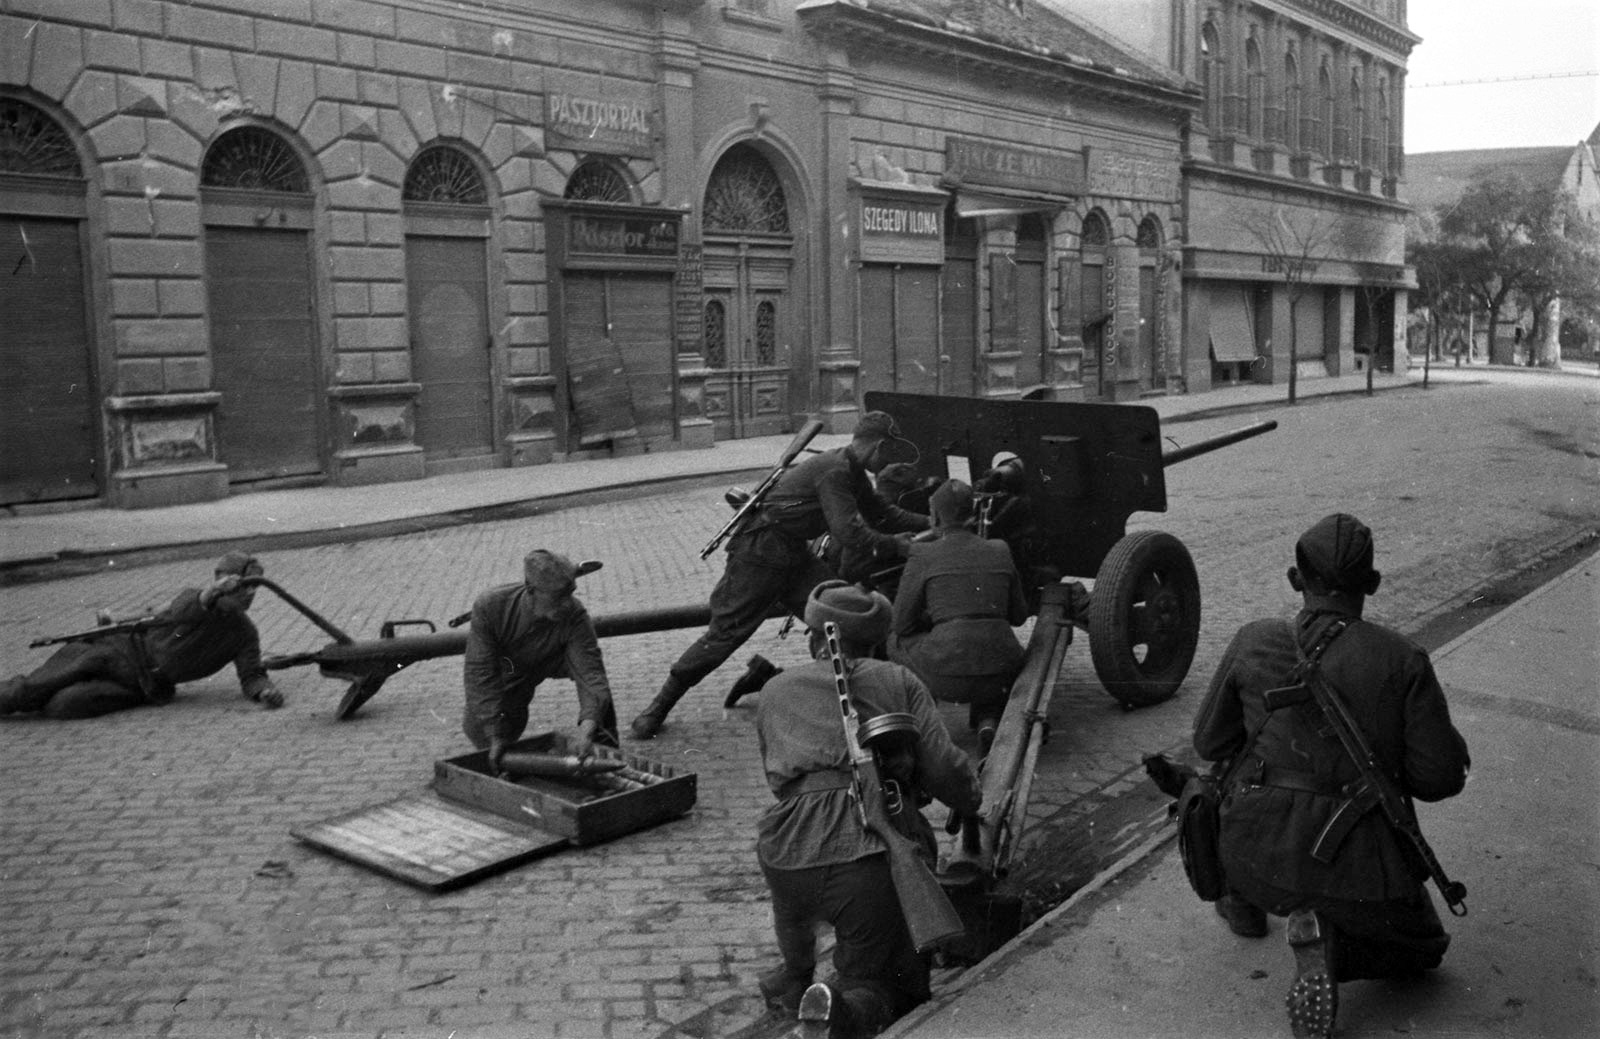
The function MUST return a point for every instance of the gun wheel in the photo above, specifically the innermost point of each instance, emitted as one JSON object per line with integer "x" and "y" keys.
{"x": 1144, "y": 618}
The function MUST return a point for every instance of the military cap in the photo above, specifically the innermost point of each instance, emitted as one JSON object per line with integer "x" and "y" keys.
{"x": 549, "y": 571}
{"x": 952, "y": 503}
{"x": 242, "y": 564}
{"x": 863, "y": 617}
{"x": 1337, "y": 549}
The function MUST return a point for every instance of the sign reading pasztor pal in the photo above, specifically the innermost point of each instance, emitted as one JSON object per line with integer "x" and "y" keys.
{"x": 613, "y": 120}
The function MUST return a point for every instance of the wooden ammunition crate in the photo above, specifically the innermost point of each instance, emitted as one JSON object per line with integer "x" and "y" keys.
{"x": 585, "y": 810}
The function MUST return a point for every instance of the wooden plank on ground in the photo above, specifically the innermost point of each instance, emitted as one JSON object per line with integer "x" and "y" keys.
{"x": 425, "y": 840}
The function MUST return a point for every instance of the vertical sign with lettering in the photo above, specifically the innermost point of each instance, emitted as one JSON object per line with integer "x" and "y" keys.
{"x": 688, "y": 302}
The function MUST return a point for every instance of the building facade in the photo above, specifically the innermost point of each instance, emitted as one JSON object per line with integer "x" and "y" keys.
{"x": 340, "y": 241}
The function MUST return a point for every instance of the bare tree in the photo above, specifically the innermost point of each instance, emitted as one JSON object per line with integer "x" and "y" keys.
{"x": 1290, "y": 250}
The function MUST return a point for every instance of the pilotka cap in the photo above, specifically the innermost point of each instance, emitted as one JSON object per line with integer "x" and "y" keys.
{"x": 547, "y": 570}
{"x": 881, "y": 426}
{"x": 1338, "y": 550}
{"x": 237, "y": 563}
{"x": 862, "y": 617}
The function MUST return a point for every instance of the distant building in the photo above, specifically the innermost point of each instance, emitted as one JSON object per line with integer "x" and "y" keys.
{"x": 339, "y": 243}
{"x": 1437, "y": 179}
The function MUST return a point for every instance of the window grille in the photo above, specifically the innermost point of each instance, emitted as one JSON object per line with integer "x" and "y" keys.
{"x": 744, "y": 194}
{"x": 31, "y": 142}
{"x": 716, "y": 319}
{"x": 595, "y": 181}
{"x": 443, "y": 174}
{"x": 766, "y": 333}
{"x": 253, "y": 158}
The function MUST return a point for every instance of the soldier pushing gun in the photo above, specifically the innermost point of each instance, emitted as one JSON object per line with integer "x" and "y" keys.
{"x": 116, "y": 667}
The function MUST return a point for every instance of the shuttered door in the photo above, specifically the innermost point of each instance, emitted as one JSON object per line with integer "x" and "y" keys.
{"x": 877, "y": 327}
{"x": 1147, "y": 327}
{"x": 264, "y": 353}
{"x": 916, "y": 305}
{"x": 1094, "y": 338}
{"x": 47, "y": 396}
{"x": 959, "y": 303}
{"x": 640, "y": 309}
{"x": 601, "y": 401}
{"x": 1030, "y": 320}
{"x": 447, "y": 289}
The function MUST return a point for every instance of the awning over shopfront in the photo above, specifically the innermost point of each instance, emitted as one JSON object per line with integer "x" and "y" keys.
{"x": 1231, "y": 336}
{"x": 1001, "y": 202}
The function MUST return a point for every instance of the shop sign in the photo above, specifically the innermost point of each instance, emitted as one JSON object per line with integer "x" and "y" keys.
{"x": 1009, "y": 166}
{"x": 901, "y": 231}
{"x": 1121, "y": 175}
{"x": 592, "y": 122}
{"x": 597, "y": 235}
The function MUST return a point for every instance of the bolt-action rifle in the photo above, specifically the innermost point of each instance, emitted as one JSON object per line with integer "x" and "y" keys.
{"x": 753, "y": 503}
{"x": 929, "y": 915}
{"x": 127, "y": 627}
{"x": 1373, "y": 789}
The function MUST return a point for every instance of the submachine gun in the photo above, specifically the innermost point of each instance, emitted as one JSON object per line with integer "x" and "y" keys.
{"x": 126, "y": 627}
{"x": 929, "y": 915}
{"x": 1374, "y": 788}
{"x": 749, "y": 506}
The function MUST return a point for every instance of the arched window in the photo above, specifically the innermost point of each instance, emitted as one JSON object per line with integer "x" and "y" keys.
{"x": 1325, "y": 107}
{"x": 33, "y": 143}
{"x": 597, "y": 181}
{"x": 766, "y": 332}
{"x": 716, "y": 321}
{"x": 1358, "y": 122}
{"x": 441, "y": 173}
{"x": 1211, "y": 76}
{"x": 1255, "y": 90}
{"x": 255, "y": 159}
{"x": 1096, "y": 232}
{"x": 744, "y": 194}
{"x": 1149, "y": 234}
{"x": 1293, "y": 109}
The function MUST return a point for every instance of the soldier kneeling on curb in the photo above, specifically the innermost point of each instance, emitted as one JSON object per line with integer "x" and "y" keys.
{"x": 1362, "y": 911}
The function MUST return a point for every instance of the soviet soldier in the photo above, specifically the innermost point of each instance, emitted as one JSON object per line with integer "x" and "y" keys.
{"x": 770, "y": 560}
{"x": 522, "y": 634}
{"x": 1364, "y": 913}
{"x": 958, "y": 600}
{"x": 199, "y": 633}
{"x": 820, "y": 863}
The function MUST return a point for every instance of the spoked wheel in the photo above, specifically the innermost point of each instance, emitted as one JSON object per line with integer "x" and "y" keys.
{"x": 1144, "y": 618}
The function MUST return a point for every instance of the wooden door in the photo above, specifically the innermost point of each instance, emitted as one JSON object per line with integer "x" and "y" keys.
{"x": 447, "y": 290}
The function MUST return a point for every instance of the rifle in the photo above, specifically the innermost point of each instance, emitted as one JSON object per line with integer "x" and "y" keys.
{"x": 1373, "y": 789}
{"x": 929, "y": 915}
{"x": 759, "y": 495}
{"x": 127, "y": 627}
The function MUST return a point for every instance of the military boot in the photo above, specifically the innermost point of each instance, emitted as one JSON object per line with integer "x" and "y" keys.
{"x": 1313, "y": 999}
{"x": 759, "y": 671}
{"x": 650, "y": 720}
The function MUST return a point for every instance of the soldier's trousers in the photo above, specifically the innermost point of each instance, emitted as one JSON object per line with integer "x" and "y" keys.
{"x": 763, "y": 568}
{"x": 79, "y": 680}
{"x": 880, "y": 973}
{"x": 1392, "y": 939}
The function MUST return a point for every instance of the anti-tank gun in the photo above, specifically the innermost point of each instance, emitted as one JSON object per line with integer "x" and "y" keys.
{"x": 1084, "y": 469}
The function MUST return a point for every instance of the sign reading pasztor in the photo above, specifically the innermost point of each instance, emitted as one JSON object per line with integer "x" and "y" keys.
{"x": 618, "y": 125}
{"x": 623, "y": 236}
{"x": 982, "y": 163}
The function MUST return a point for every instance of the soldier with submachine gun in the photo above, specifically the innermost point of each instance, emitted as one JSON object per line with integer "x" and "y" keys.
{"x": 769, "y": 556}
{"x": 846, "y": 843}
{"x": 117, "y": 666}
{"x": 1332, "y": 725}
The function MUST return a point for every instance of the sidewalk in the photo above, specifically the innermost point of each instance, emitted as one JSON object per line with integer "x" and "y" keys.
{"x": 324, "y": 514}
{"x": 1137, "y": 955}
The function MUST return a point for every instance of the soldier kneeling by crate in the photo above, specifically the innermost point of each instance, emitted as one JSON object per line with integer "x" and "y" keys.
{"x": 522, "y": 634}
{"x": 959, "y": 598}
{"x": 143, "y": 661}
{"x": 820, "y": 862}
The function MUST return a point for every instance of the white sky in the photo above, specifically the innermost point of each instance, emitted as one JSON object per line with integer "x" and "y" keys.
{"x": 1494, "y": 39}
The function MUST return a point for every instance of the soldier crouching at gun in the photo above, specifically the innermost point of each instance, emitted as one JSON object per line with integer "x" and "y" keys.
{"x": 1311, "y": 826}
{"x": 822, "y": 853}
{"x": 522, "y": 634}
{"x": 123, "y": 665}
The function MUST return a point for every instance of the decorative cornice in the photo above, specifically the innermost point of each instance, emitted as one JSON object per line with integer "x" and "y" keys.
{"x": 1203, "y": 169}
{"x": 865, "y": 29}
{"x": 1362, "y": 23}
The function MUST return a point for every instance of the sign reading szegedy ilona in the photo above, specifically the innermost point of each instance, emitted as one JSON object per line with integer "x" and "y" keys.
{"x": 614, "y": 118}
{"x": 898, "y": 230}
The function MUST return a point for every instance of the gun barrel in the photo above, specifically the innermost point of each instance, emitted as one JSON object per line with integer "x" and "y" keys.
{"x": 1201, "y": 447}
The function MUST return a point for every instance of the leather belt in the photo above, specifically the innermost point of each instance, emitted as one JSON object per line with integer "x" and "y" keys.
{"x": 1290, "y": 779}
{"x": 813, "y": 782}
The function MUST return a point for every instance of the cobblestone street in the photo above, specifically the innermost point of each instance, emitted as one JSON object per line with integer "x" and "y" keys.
{"x": 150, "y": 886}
